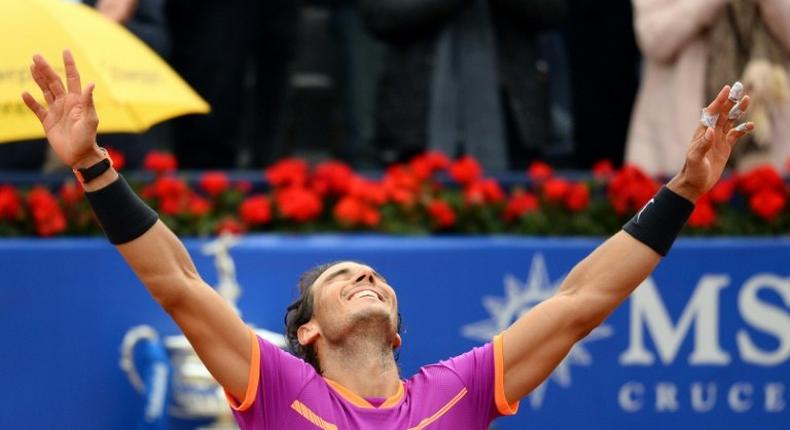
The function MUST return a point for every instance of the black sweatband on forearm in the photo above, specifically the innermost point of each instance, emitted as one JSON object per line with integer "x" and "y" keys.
{"x": 122, "y": 214}
{"x": 659, "y": 222}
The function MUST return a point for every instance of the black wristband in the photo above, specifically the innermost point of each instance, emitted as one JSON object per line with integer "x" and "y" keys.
{"x": 121, "y": 213}
{"x": 659, "y": 222}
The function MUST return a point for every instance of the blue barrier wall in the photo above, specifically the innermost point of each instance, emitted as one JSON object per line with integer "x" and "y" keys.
{"x": 705, "y": 343}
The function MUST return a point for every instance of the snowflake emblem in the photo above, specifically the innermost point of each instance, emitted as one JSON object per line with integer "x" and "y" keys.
{"x": 520, "y": 298}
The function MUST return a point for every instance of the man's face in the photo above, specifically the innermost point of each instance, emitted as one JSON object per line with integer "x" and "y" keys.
{"x": 351, "y": 298}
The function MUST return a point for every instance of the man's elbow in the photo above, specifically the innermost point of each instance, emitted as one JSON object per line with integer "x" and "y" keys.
{"x": 170, "y": 291}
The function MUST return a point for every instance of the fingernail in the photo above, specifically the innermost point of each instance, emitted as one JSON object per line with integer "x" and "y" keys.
{"x": 744, "y": 128}
{"x": 736, "y": 92}
{"x": 707, "y": 119}
{"x": 735, "y": 112}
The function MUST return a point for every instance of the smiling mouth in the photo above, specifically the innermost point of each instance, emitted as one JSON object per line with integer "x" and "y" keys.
{"x": 365, "y": 293}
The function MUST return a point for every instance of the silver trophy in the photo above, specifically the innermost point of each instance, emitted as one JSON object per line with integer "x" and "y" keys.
{"x": 194, "y": 394}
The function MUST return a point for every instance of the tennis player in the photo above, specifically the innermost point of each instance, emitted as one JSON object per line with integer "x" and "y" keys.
{"x": 343, "y": 328}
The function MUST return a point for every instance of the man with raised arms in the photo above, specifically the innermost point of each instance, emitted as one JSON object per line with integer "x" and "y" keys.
{"x": 344, "y": 327}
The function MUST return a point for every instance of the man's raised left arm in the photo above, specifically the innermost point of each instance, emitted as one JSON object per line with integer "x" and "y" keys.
{"x": 535, "y": 344}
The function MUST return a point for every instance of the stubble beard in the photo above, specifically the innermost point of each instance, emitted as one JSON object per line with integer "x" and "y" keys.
{"x": 367, "y": 331}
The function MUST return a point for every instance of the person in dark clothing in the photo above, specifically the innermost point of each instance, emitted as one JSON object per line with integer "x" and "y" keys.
{"x": 613, "y": 80}
{"x": 464, "y": 76}
{"x": 144, "y": 18}
{"x": 215, "y": 44}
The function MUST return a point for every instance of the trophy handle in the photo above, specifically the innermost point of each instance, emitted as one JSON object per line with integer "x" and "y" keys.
{"x": 130, "y": 340}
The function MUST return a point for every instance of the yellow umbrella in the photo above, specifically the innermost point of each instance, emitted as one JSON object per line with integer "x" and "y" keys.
{"x": 135, "y": 89}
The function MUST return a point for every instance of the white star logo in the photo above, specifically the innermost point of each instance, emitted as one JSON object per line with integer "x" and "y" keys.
{"x": 520, "y": 298}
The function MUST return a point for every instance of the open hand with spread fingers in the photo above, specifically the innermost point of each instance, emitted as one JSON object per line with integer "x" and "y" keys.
{"x": 712, "y": 143}
{"x": 69, "y": 120}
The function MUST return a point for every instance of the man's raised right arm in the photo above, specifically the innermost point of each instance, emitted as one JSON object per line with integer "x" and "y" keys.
{"x": 219, "y": 336}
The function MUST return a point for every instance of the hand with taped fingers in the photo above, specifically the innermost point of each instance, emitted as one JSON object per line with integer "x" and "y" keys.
{"x": 712, "y": 143}
{"x": 69, "y": 120}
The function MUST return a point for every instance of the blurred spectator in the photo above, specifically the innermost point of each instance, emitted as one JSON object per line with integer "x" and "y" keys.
{"x": 312, "y": 117}
{"x": 554, "y": 51}
{"x": 604, "y": 65}
{"x": 228, "y": 50}
{"x": 692, "y": 48}
{"x": 144, "y": 18}
{"x": 464, "y": 76}
{"x": 333, "y": 81}
{"x": 359, "y": 67}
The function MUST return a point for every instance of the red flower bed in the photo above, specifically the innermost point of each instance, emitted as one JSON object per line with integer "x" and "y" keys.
{"x": 408, "y": 198}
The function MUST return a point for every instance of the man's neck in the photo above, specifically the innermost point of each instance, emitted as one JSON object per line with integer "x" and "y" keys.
{"x": 363, "y": 365}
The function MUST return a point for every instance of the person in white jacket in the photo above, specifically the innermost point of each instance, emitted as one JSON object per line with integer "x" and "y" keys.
{"x": 679, "y": 39}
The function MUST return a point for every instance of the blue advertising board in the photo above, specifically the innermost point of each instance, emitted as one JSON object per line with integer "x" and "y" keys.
{"x": 703, "y": 343}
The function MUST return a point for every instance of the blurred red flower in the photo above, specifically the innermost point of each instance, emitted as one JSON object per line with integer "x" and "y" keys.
{"x": 428, "y": 163}
{"x": 767, "y": 203}
{"x": 10, "y": 203}
{"x": 47, "y": 214}
{"x": 288, "y": 172}
{"x": 198, "y": 206}
{"x": 483, "y": 191}
{"x": 723, "y": 190}
{"x": 554, "y": 190}
{"x": 403, "y": 197}
{"x": 368, "y": 191}
{"x": 172, "y": 206}
{"x": 71, "y": 193}
{"x": 229, "y": 225}
{"x": 761, "y": 178}
{"x": 298, "y": 204}
{"x": 539, "y": 171}
{"x": 466, "y": 170}
{"x": 520, "y": 203}
{"x": 171, "y": 192}
{"x": 352, "y": 212}
{"x": 603, "y": 169}
{"x": 704, "y": 215}
{"x": 420, "y": 168}
{"x": 439, "y": 161}
{"x": 169, "y": 187}
{"x": 117, "y": 157}
{"x": 160, "y": 162}
{"x": 398, "y": 176}
{"x": 578, "y": 197}
{"x": 630, "y": 189}
{"x": 333, "y": 177}
{"x": 401, "y": 185}
{"x": 441, "y": 214}
{"x": 214, "y": 183}
{"x": 254, "y": 210}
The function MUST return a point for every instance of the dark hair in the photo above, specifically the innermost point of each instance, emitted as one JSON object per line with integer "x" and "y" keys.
{"x": 300, "y": 312}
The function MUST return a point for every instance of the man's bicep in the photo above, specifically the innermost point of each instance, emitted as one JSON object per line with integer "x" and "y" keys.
{"x": 537, "y": 342}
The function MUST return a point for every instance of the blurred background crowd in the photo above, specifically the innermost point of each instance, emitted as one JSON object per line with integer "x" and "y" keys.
{"x": 373, "y": 82}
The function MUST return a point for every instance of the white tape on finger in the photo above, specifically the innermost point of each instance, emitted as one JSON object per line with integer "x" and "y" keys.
{"x": 707, "y": 119}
